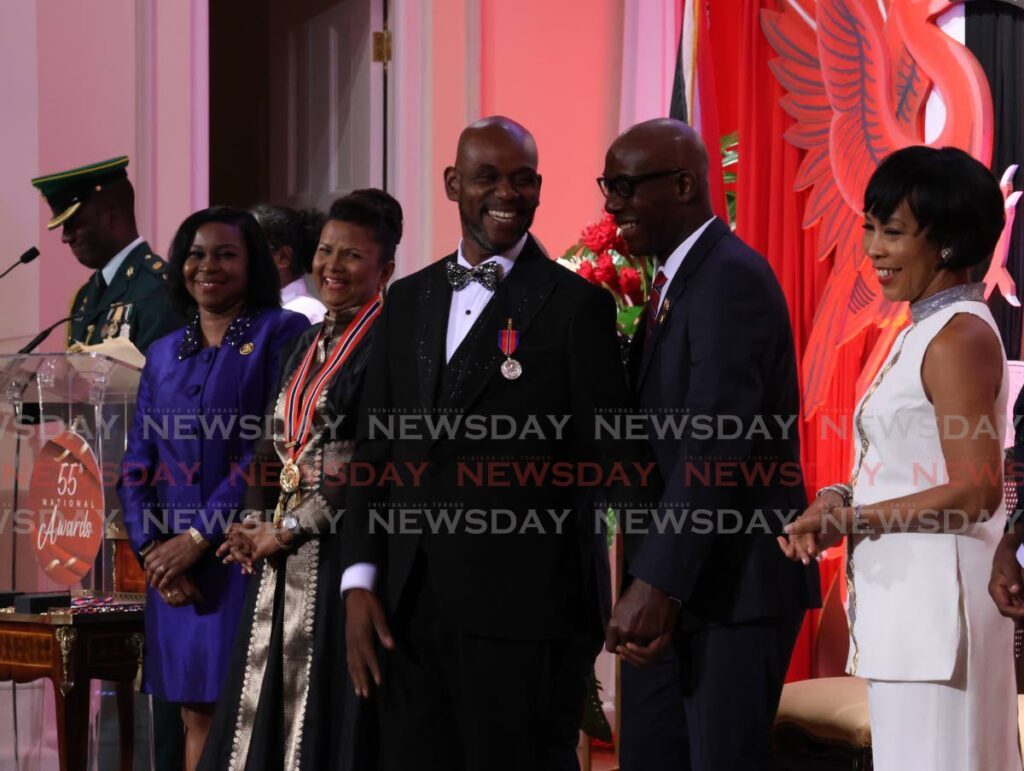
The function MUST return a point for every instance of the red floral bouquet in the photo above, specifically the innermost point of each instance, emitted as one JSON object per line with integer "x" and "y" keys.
{"x": 602, "y": 258}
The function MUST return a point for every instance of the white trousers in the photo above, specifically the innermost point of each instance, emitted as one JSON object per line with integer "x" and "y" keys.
{"x": 966, "y": 724}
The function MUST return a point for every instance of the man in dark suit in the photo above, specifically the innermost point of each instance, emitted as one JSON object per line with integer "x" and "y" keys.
{"x": 713, "y": 608}
{"x": 491, "y": 621}
{"x": 126, "y": 296}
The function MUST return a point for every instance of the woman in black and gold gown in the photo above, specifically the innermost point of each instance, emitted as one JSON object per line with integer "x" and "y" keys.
{"x": 287, "y": 703}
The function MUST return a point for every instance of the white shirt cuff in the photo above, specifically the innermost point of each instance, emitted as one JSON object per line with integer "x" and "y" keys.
{"x": 362, "y": 575}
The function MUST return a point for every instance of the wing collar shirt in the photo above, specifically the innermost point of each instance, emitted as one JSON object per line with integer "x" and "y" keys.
{"x": 466, "y": 306}
{"x": 469, "y": 302}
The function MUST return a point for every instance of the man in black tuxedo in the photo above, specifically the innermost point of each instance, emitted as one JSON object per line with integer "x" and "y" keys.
{"x": 492, "y": 621}
{"x": 713, "y": 608}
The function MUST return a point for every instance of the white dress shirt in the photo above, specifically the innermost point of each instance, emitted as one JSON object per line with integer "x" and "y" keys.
{"x": 466, "y": 306}
{"x": 671, "y": 266}
{"x": 296, "y": 297}
{"x": 469, "y": 302}
{"x": 114, "y": 263}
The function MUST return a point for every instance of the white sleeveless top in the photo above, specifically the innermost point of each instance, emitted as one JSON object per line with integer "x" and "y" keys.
{"x": 909, "y": 591}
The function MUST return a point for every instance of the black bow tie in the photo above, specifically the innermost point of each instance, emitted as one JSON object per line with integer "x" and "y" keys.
{"x": 487, "y": 275}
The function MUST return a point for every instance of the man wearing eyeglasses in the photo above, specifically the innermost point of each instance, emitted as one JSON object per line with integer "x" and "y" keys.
{"x": 710, "y": 612}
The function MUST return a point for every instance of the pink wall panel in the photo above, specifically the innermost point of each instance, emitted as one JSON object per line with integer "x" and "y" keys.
{"x": 178, "y": 51}
{"x": 555, "y": 67}
{"x": 449, "y": 114}
{"x": 86, "y": 87}
{"x": 19, "y": 218}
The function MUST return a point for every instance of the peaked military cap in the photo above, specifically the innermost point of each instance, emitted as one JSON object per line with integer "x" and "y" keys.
{"x": 66, "y": 191}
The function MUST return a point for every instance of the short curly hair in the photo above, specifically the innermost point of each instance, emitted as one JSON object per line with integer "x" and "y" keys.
{"x": 263, "y": 289}
{"x": 954, "y": 198}
{"x": 376, "y": 211}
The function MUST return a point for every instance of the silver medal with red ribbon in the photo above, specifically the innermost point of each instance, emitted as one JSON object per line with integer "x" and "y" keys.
{"x": 508, "y": 341}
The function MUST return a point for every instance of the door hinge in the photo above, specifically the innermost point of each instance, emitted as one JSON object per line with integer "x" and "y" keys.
{"x": 382, "y": 46}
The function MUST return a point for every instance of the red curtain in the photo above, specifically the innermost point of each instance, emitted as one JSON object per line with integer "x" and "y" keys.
{"x": 769, "y": 216}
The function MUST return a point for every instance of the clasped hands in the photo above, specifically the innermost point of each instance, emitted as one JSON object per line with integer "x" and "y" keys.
{"x": 817, "y": 529}
{"x": 165, "y": 565}
{"x": 247, "y": 542}
{"x": 641, "y": 626}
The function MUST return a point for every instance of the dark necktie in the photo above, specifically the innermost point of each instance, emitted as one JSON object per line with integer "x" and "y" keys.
{"x": 653, "y": 301}
{"x": 487, "y": 275}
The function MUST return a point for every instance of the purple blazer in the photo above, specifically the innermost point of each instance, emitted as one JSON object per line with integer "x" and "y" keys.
{"x": 199, "y": 412}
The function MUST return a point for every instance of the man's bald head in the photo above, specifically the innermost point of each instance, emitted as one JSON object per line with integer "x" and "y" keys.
{"x": 656, "y": 174}
{"x": 495, "y": 128}
{"x": 496, "y": 184}
{"x": 666, "y": 143}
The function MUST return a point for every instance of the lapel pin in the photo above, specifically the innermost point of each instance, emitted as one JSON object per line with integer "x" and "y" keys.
{"x": 246, "y": 348}
{"x": 508, "y": 341}
{"x": 664, "y": 311}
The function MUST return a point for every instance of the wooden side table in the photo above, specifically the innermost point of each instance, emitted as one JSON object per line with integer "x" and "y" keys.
{"x": 70, "y": 650}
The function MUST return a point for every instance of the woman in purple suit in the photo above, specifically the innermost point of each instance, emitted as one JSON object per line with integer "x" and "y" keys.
{"x": 199, "y": 412}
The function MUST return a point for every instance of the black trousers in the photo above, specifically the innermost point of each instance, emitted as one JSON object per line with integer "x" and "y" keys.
{"x": 710, "y": 703}
{"x": 454, "y": 702}
{"x": 168, "y": 736}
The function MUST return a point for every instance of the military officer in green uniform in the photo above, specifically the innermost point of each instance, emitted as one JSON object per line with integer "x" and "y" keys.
{"x": 127, "y": 295}
{"x": 96, "y": 206}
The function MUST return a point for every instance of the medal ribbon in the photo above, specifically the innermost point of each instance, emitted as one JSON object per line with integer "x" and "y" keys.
{"x": 298, "y": 414}
{"x": 508, "y": 339}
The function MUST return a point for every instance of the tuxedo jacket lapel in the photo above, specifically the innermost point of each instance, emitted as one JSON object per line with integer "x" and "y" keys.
{"x": 432, "y": 329}
{"x": 521, "y": 294}
{"x": 691, "y": 264}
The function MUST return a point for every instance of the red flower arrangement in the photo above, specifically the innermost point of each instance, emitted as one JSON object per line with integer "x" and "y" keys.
{"x": 602, "y": 258}
{"x": 603, "y": 236}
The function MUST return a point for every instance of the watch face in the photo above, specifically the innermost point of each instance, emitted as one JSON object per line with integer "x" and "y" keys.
{"x": 290, "y": 524}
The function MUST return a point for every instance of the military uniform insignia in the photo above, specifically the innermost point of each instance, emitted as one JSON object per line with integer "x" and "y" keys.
{"x": 113, "y": 325}
{"x": 157, "y": 265}
{"x": 130, "y": 272}
{"x": 126, "y": 327}
{"x": 66, "y": 191}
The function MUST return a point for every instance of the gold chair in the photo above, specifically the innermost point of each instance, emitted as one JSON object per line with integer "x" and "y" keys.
{"x": 822, "y": 723}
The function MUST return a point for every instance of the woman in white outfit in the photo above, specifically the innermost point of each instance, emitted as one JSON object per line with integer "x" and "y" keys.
{"x": 923, "y": 509}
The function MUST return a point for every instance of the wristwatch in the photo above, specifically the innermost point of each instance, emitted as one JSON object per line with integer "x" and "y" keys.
{"x": 289, "y": 523}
